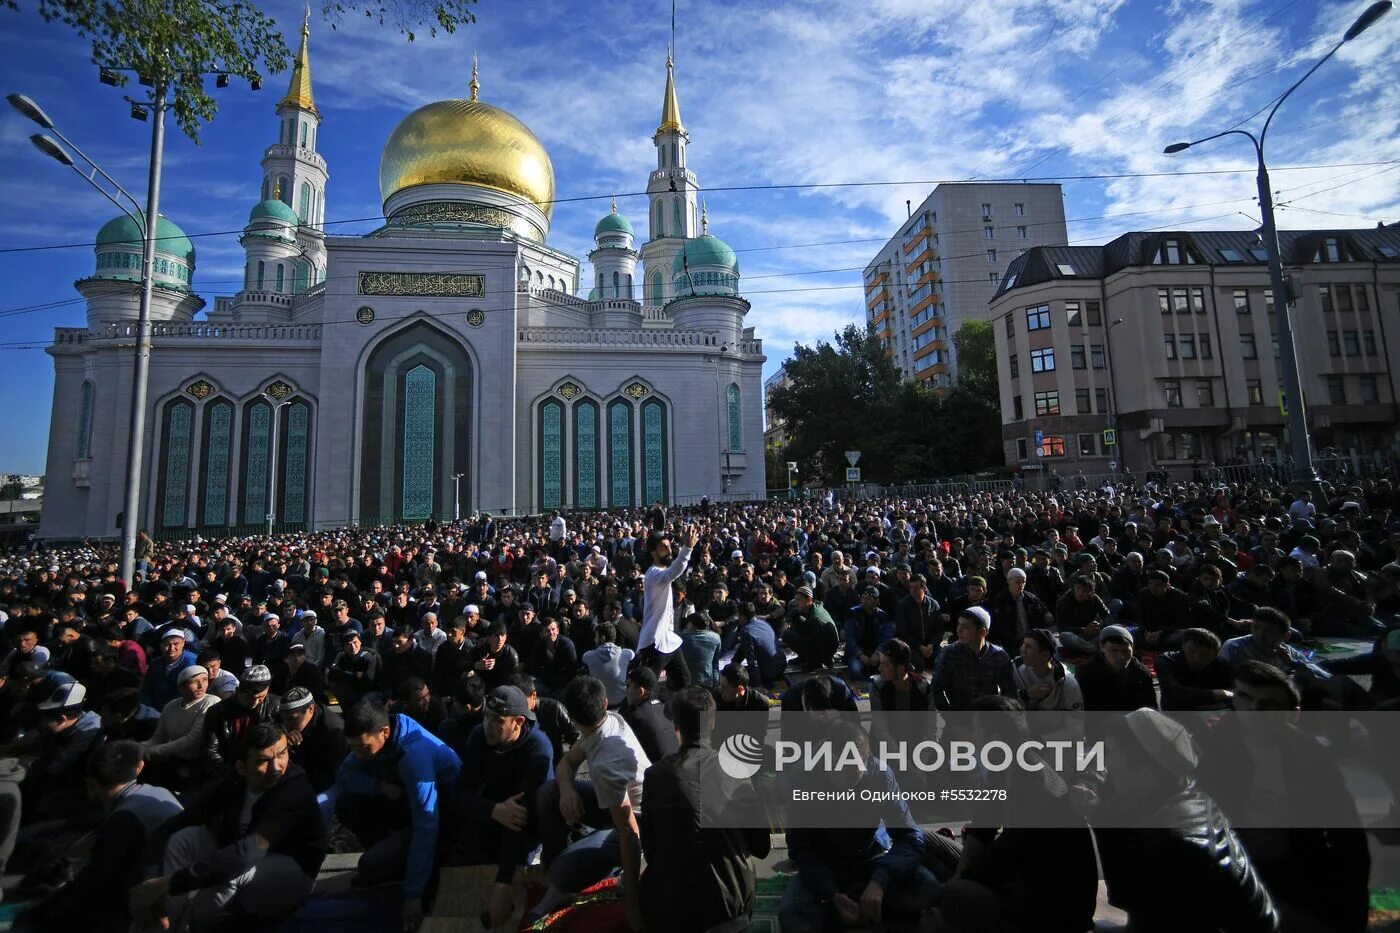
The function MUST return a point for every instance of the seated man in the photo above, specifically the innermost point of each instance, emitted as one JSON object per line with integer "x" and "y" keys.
{"x": 646, "y": 714}
{"x": 608, "y": 662}
{"x": 714, "y": 863}
{"x": 135, "y": 812}
{"x": 819, "y": 693}
{"x": 1042, "y": 681}
{"x": 507, "y": 760}
{"x": 899, "y": 686}
{"x": 355, "y": 671}
{"x": 1079, "y": 614}
{"x": 418, "y": 703}
{"x": 246, "y": 849}
{"x": 391, "y": 792}
{"x": 700, "y": 648}
{"x": 53, "y": 792}
{"x": 222, "y": 683}
{"x": 492, "y": 659}
{"x": 608, "y": 802}
{"x": 175, "y": 752}
{"x": 1163, "y": 612}
{"x": 867, "y": 628}
{"x": 761, "y": 651}
{"x": 1194, "y": 678}
{"x": 226, "y": 723}
{"x": 316, "y": 735}
{"x": 971, "y": 667}
{"x": 1113, "y": 680}
{"x": 850, "y": 876}
{"x": 809, "y": 630}
{"x": 161, "y": 685}
{"x": 736, "y": 695}
{"x": 550, "y": 716}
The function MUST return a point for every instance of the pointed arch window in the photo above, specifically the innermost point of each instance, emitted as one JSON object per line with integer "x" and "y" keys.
{"x": 301, "y": 276}
{"x": 285, "y": 183}
{"x": 303, "y": 136}
{"x": 678, "y": 217}
{"x": 257, "y": 438}
{"x": 305, "y": 211}
{"x": 294, "y": 462}
{"x": 657, "y": 221}
{"x": 654, "y": 464}
{"x": 736, "y": 432}
{"x": 175, "y": 464}
{"x": 83, "y": 448}
{"x": 419, "y": 440}
{"x": 262, "y": 274}
{"x": 656, "y": 291}
{"x": 586, "y": 454}
{"x": 218, "y": 451}
{"x": 620, "y": 454}
{"x": 551, "y": 455}
{"x": 617, "y": 285}
{"x": 280, "y": 281}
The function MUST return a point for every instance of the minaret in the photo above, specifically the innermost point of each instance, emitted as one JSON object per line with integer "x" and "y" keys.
{"x": 292, "y": 169}
{"x": 673, "y": 196}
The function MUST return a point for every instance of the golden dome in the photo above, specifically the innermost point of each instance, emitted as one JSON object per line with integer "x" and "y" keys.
{"x": 467, "y": 142}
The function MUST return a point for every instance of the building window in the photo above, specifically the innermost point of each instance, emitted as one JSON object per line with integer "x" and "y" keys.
{"x": 1023, "y": 232}
{"x": 1368, "y": 340}
{"x": 1096, "y": 356}
{"x": 419, "y": 443}
{"x": 1351, "y": 342}
{"x": 986, "y": 210}
{"x": 1169, "y": 342}
{"x": 655, "y": 462}
{"x": 1073, "y": 315}
{"x": 218, "y": 453}
{"x": 1336, "y": 390}
{"x": 736, "y": 434}
{"x": 1269, "y": 300}
{"x": 1241, "y": 301}
{"x": 1076, "y": 357}
{"x": 1173, "y": 252}
{"x": 1324, "y": 299}
{"x": 1010, "y": 326}
{"x": 1094, "y": 310}
{"x": 1248, "y": 350}
{"x": 1203, "y": 343}
{"x": 1020, "y": 448}
{"x": 1341, "y": 297}
{"x": 175, "y": 472}
{"x": 83, "y": 448}
{"x": 551, "y": 443}
{"x": 1020, "y": 210}
{"x": 1198, "y": 300}
{"x": 1181, "y": 300}
{"x": 262, "y": 273}
{"x": 1017, "y": 409}
{"x": 993, "y": 279}
{"x": 1101, "y": 400}
{"x": 1369, "y": 389}
{"x": 1038, "y": 318}
{"x": 1087, "y": 445}
{"x": 1081, "y": 402}
{"x": 1047, "y": 403}
{"x": 1171, "y": 388}
{"x": 294, "y": 462}
{"x": 1274, "y": 338}
{"x": 1254, "y": 388}
{"x": 620, "y": 461}
{"x": 1334, "y": 346}
{"x": 1205, "y": 394}
{"x": 586, "y": 454}
{"x": 991, "y": 255}
{"x": 1052, "y": 446}
{"x": 1188, "y": 346}
{"x": 989, "y": 233}
{"x": 1363, "y": 298}
{"x": 281, "y": 278}
{"x": 1164, "y": 300}
{"x": 1231, "y": 255}
{"x": 1043, "y": 360}
{"x": 1015, "y": 366}
{"x": 1330, "y": 250}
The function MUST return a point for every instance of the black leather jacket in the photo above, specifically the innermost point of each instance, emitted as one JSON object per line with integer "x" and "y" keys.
{"x": 1188, "y": 872}
{"x": 220, "y": 741}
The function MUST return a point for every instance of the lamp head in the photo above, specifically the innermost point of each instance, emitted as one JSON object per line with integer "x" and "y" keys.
{"x": 30, "y": 109}
{"x": 50, "y": 148}
{"x": 1368, "y": 19}
{"x": 1174, "y": 148}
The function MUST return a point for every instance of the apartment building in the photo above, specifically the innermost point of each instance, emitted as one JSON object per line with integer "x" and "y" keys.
{"x": 1171, "y": 340}
{"x": 774, "y": 430}
{"x": 946, "y": 263}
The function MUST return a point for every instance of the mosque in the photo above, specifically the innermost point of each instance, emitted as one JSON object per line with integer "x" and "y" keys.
{"x": 442, "y": 364}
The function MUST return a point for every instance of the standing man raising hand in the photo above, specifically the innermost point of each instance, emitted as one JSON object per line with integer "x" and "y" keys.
{"x": 659, "y": 647}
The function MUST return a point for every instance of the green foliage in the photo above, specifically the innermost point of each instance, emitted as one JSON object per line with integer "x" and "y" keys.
{"x": 848, "y": 395}
{"x": 976, "y": 347}
{"x": 184, "y": 41}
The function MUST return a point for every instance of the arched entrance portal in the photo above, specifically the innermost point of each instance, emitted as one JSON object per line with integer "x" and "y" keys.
{"x": 417, "y": 419}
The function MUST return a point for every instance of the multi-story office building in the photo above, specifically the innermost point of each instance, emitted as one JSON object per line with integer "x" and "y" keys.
{"x": 774, "y": 430}
{"x": 945, "y": 263}
{"x": 1172, "y": 339}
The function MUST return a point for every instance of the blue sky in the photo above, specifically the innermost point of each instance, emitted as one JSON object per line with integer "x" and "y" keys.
{"x": 773, "y": 93}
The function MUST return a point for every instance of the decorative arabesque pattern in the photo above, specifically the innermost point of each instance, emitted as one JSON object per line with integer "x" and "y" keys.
{"x": 177, "y": 466}
{"x": 423, "y": 284}
{"x": 620, "y": 455}
{"x": 736, "y": 433}
{"x": 586, "y": 454}
{"x": 255, "y": 464}
{"x": 294, "y": 472}
{"x": 216, "y": 463}
{"x": 552, "y": 455}
{"x": 653, "y": 451}
{"x": 83, "y": 448}
{"x": 419, "y": 426}
{"x": 447, "y": 212}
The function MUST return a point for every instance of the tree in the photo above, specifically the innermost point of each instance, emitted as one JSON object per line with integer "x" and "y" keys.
{"x": 183, "y": 41}
{"x": 975, "y": 343}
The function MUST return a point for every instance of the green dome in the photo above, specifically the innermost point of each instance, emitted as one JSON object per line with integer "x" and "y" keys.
{"x": 273, "y": 209}
{"x": 593, "y": 294}
{"x": 705, "y": 251}
{"x": 612, "y": 223}
{"x": 170, "y": 239}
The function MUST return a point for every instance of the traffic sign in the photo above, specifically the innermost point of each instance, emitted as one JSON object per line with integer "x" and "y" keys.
{"x": 853, "y": 474}
{"x": 1113, "y": 464}
{"x": 1039, "y": 438}
{"x": 853, "y": 457}
{"x": 1110, "y": 437}
{"x": 1283, "y": 403}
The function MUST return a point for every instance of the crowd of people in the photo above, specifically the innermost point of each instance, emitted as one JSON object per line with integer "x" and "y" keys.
{"x": 435, "y": 691}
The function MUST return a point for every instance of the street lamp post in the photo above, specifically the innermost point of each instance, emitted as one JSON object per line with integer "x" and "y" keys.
{"x": 272, "y": 462}
{"x": 457, "y": 496}
{"x": 1304, "y": 473}
{"x": 1113, "y": 399}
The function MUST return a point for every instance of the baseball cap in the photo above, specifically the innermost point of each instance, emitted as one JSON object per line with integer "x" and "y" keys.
{"x": 67, "y": 697}
{"x": 1116, "y": 632}
{"x": 297, "y": 698}
{"x": 507, "y": 701}
{"x": 194, "y": 670}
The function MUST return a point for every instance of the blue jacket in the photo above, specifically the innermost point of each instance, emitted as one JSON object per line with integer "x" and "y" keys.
{"x": 162, "y": 679}
{"x": 866, "y": 632}
{"x": 427, "y": 770}
{"x": 759, "y": 650}
{"x": 491, "y": 774}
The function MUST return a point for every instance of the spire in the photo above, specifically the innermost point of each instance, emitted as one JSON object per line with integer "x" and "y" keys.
{"x": 704, "y": 218}
{"x": 670, "y": 108}
{"x": 475, "y": 85}
{"x": 614, "y": 204}
{"x": 299, "y": 90}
